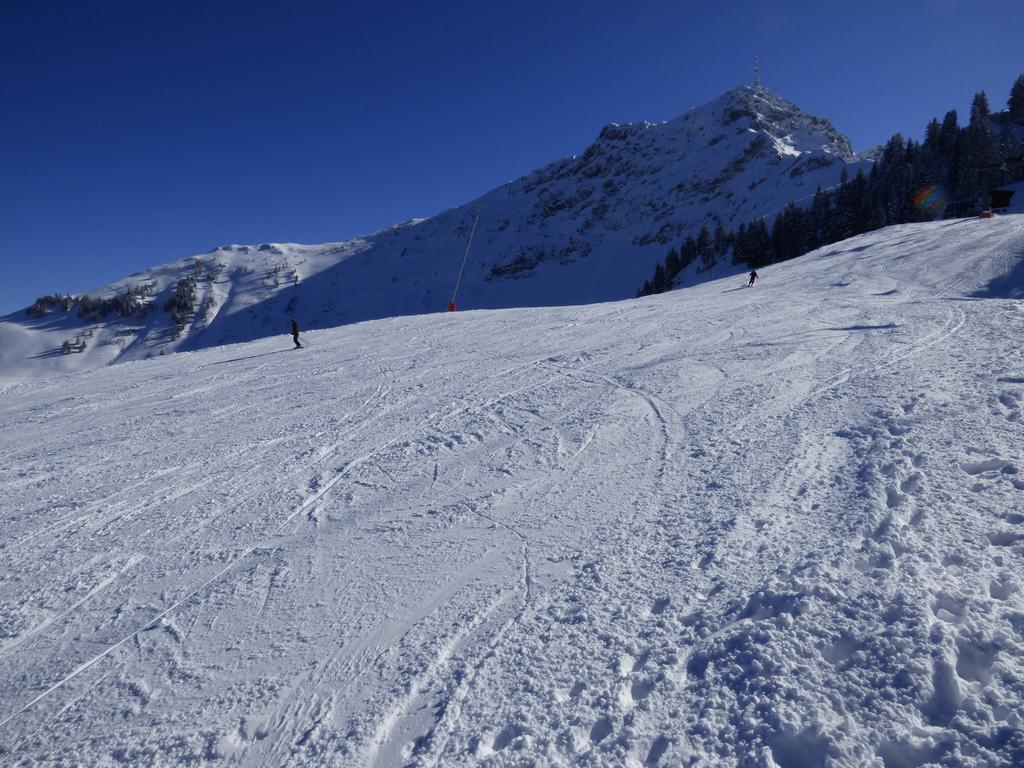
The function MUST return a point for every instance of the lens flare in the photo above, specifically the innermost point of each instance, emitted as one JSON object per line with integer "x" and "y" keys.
{"x": 930, "y": 200}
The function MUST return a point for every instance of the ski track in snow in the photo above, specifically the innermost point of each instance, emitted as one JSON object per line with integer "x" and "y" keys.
{"x": 780, "y": 527}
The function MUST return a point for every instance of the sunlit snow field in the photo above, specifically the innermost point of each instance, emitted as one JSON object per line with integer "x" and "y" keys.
{"x": 721, "y": 526}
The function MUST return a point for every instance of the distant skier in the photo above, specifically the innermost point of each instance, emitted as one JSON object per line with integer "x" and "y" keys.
{"x": 295, "y": 334}
{"x": 753, "y": 279}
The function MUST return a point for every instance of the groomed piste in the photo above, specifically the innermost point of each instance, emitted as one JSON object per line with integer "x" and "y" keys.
{"x": 777, "y": 526}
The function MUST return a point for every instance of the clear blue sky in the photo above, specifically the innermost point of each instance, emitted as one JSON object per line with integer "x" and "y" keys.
{"x": 134, "y": 133}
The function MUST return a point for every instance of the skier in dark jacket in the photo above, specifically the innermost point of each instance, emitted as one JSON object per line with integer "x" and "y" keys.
{"x": 295, "y": 334}
{"x": 753, "y": 279}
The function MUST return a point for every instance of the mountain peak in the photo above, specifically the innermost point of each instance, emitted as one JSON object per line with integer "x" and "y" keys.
{"x": 582, "y": 229}
{"x": 791, "y": 129}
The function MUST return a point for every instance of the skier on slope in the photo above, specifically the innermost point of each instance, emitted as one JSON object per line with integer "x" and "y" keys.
{"x": 295, "y": 333}
{"x": 753, "y": 278}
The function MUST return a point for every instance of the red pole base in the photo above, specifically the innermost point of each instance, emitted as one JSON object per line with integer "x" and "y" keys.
{"x": 451, "y": 306}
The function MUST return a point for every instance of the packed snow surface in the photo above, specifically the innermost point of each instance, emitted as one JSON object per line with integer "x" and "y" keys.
{"x": 779, "y": 526}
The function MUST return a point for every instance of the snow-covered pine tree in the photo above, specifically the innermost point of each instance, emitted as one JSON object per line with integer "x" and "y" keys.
{"x": 1016, "y": 101}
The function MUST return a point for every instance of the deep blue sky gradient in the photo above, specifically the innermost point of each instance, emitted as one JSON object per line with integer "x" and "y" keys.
{"x": 134, "y": 133}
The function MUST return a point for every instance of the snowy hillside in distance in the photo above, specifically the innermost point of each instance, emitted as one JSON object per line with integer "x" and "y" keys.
{"x": 589, "y": 228}
{"x": 779, "y": 526}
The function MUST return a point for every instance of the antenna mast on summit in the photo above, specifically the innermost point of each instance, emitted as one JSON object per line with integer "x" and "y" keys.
{"x": 757, "y": 71}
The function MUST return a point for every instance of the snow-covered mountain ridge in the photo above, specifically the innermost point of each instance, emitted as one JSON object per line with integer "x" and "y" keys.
{"x": 585, "y": 229}
{"x": 779, "y": 527}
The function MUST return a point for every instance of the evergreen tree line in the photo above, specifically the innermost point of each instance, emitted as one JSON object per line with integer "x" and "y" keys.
{"x": 911, "y": 181}
{"x": 182, "y": 304}
{"x": 131, "y": 301}
{"x": 42, "y": 306}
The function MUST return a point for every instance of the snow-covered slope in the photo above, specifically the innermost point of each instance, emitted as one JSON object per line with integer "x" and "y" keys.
{"x": 781, "y": 526}
{"x": 584, "y": 229}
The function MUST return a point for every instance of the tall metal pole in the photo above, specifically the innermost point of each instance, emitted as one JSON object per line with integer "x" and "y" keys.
{"x": 451, "y": 304}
